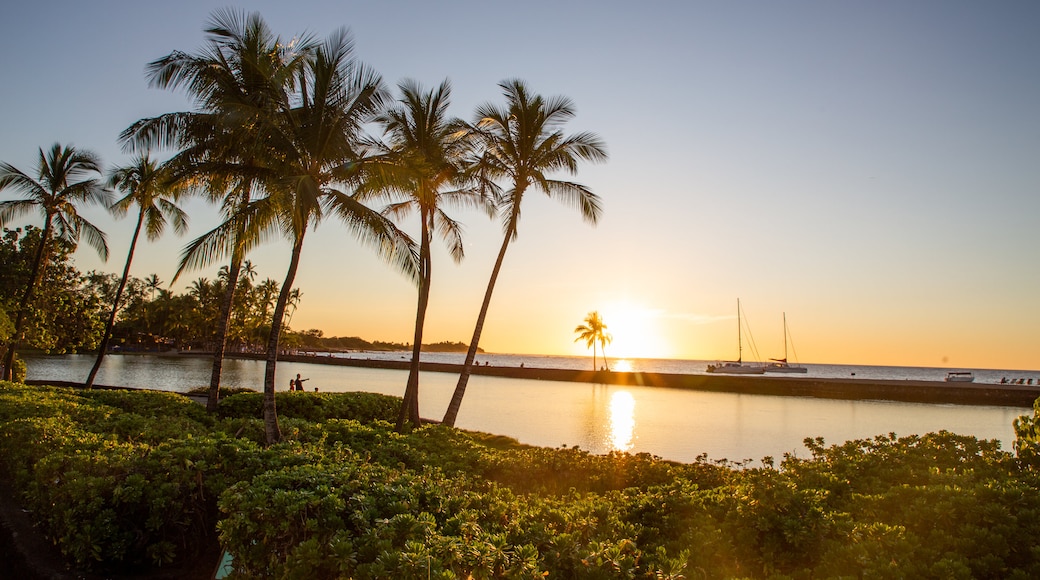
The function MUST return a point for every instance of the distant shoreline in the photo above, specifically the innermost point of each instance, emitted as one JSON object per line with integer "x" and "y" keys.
{"x": 908, "y": 391}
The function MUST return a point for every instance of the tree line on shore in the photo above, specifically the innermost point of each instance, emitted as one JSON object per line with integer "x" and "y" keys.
{"x": 68, "y": 317}
{"x": 278, "y": 140}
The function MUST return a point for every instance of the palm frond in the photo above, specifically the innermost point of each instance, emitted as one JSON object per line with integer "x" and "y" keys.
{"x": 450, "y": 231}
{"x": 94, "y": 237}
{"x": 368, "y": 227}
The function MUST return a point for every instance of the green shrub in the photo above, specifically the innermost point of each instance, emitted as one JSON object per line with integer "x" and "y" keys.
{"x": 363, "y": 407}
{"x": 122, "y": 481}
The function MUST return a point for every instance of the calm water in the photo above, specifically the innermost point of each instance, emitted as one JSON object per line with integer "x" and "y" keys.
{"x": 674, "y": 424}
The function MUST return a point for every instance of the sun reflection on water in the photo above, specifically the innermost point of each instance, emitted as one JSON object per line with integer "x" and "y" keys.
{"x": 622, "y": 420}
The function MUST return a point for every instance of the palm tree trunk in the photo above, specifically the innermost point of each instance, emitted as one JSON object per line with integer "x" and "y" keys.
{"x": 226, "y": 306}
{"x": 467, "y": 367}
{"x": 410, "y": 406}
{"x": 271, "y": 429}
{"x": 115, "y": 303}
{"x": 34, "y": 277}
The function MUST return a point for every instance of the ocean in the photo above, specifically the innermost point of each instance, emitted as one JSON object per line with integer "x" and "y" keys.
{"x": 677, "y": 424}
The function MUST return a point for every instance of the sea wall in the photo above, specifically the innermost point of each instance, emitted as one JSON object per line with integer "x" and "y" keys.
{"x": 788, "y": 386}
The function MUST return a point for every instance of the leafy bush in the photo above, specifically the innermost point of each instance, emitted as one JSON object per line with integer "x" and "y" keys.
{"x": 126, "y": 480}
{"x": 363, "y": 407}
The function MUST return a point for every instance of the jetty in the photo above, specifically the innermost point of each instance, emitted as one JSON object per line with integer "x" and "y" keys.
{"x": 909, "y": 391}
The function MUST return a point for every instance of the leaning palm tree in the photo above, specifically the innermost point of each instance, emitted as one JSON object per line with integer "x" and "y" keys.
{"x": 145, "y": 186}
{"x": 243, "y": 75}
{"x": 65, "y": 178}
{"x": 593, "y": 331}
{"x": 423, "y": 162}
{"x": 314, "y": 150}
{"x": 521, "y": 144}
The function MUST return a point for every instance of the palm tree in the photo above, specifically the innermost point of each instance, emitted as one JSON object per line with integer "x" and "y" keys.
{"x": 240, "y": 79}
{"x": 422, "y": 161}
{"x": 146, "y": 187}
{"x": 594, "y": 331}
{"x": 154, "y": 284}
{"x": 522, "y": 143}
{"x": 314, "y": 149}
{"x": 66, "y": 178}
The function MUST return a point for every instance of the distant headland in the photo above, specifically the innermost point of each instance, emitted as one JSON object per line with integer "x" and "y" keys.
{"x": 354, "y": 343}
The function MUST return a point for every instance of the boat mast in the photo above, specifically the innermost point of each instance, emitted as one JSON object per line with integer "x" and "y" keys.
{"x": 740, "y": 346}
{"x": 785, "y": 337}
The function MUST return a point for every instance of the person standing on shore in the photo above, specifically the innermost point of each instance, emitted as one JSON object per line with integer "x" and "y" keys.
{"x": 299, "y": 382}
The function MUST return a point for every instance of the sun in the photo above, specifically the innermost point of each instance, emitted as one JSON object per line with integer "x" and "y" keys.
{"x": 635, "y": 330}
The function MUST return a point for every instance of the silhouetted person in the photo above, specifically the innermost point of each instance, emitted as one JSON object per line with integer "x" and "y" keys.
{"x": 299, "y": 382}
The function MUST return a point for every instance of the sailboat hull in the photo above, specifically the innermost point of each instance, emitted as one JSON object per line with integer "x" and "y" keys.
{"x": 733, "y": 368}
{"x": 785, "y": 368}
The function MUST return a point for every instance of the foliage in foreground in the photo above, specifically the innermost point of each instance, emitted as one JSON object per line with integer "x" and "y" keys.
{"x": 128, "y": 480}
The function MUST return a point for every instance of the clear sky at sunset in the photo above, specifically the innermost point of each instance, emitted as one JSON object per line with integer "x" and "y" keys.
{"x": 870, "y": 168}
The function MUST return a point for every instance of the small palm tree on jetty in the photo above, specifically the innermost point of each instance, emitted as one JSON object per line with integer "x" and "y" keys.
{"x": 593, "y": 331}
{"x": 65, "y": 178}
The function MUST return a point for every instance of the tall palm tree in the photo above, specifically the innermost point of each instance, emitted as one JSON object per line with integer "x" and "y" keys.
{"x": 243, "y": 75}
{"x": 422, "y": 161}
{"x": 522, "y": 143}
{"x": 593, "y": 331}
{"x": 65, "y": 178}
{"x": 145, "y": 186}
{"x": 314, "y": 150}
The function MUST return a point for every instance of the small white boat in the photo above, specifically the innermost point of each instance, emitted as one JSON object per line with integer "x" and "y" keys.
{"x": 737, "y": 367}
{"x": 782, "y": 366}
{"x": 960, "y": 377}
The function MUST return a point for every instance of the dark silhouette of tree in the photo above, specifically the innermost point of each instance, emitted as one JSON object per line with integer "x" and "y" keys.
{"x": 422, "y": 160}
{"x": 65, "y": 179}
{"x": 593, "y": 331}
{"x": 146, "y": 187}
{"x": 521, "y": 144}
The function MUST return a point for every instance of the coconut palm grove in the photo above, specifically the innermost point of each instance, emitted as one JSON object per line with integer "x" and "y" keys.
{"x": 288, "y": 132}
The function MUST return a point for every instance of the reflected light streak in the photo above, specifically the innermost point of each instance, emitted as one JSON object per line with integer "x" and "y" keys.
{"x": 622, "y": 420}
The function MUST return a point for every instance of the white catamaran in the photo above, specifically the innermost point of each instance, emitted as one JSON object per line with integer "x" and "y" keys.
{"x": 738, "y": 367}
{"x": 780, "y": 365}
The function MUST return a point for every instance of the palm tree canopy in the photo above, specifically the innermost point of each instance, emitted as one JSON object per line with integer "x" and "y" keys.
{"x": 593, "y": 331}
{"x": 241, "y": 77}
{"x": 243, "y": 72}
{"x": 147, "y": 186}
{"x": 65, "y": 179}
{"x": 422, "y": 161}
{"x": 523, "y": 141}
{"x": 314, "y": 152}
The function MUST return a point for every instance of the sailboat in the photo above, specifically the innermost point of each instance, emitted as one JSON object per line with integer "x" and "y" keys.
{"x": 737, "y": 367}
{"x": 780, "y": 365}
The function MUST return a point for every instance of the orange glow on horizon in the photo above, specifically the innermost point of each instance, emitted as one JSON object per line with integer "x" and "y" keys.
{"x": 635, "y": 330}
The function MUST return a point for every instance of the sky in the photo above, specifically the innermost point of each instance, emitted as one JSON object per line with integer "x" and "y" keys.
{"x": 871, "y": 169}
